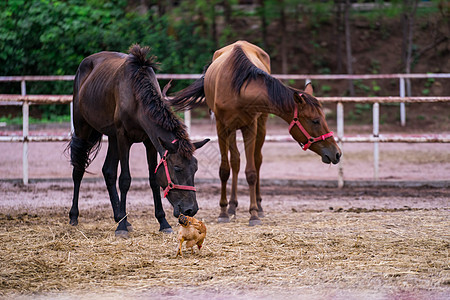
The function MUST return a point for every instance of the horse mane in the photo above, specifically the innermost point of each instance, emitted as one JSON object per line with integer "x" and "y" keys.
{"x": 141, "y": 70}
{"x": 280, "y": 95}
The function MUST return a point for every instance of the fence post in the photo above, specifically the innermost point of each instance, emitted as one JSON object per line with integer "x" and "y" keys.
{"x": 25, "y": 133}
{"x": 402, "y": 104}
{"x": 376, "y": 132}
{"x": 340, "y": 134}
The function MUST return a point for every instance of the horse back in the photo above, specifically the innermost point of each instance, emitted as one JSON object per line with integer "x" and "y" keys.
{"x": 96, "y": 87}
{"x": 258, "y": 56}
{"x": 219, "y": 91}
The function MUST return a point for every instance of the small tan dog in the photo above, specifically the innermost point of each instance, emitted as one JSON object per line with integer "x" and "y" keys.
{"x": 192, "y": 231}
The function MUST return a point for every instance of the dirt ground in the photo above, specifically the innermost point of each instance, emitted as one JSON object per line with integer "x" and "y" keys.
{"x": 385, "y": 241}
{"x": 371, "y": 243}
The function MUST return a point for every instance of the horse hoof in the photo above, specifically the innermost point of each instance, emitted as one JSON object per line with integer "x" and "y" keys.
{"x": 231, "y": 211}
{"x": 255, "y": 222}
{"x": 166, "y": 230}
{"x": 129, "y": 227}
{"x": 261, "y": 214}
{"x": 224, "y": 220}
{"x": 122, "y": 234}
{"x": 73, "y": 222}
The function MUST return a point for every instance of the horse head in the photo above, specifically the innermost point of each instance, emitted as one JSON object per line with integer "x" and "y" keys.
{"x": 310, "y": 129}
{"x": 175, "y": 174}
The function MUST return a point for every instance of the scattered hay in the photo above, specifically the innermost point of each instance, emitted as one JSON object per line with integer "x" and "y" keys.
{"x": 42, "y": 254}
{"x": 356, "y": 249}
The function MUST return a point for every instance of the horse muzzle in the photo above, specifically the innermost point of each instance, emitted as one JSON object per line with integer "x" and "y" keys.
{"x": 331, "y": 156}
{"x": 187, "y": 210}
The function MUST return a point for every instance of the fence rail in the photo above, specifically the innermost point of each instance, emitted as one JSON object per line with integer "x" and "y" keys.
{"x": 376, "y": 138}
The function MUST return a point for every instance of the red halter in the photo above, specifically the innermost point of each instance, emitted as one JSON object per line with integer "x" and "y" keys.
{"x": 170, "y": 184}
{"x": 311, "y": 140}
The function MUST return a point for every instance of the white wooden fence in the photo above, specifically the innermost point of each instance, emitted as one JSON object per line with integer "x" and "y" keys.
{"x": 25, "y": 100}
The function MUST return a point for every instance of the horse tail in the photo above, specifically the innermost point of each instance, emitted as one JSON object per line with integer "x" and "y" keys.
{"x": 83, "y": 152}
{"x": 192, "y": 96}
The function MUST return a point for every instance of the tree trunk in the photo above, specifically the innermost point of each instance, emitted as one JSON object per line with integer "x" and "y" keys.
{"x": 283, "y": 50}
{"x": 263, "y": 23}
{"x": 348, "y": 46}
{"x": 162, "y": 7}
{"x": 339, "y": 33}
{"x": 227, "y": 11}
{"x": 408, "y": 37}
{"x": 214, "y": 25}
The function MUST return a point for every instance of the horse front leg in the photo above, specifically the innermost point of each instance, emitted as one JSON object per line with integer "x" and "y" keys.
{"x": 249, "y": 134}
{"x": 260, "y": 138}
{"x": 160, "y": 215}
{"x": 235, "y": 166}
{"x": 124, "y": 183}
{"x": 224, "y": 170}
{"x": 109, "y": 171}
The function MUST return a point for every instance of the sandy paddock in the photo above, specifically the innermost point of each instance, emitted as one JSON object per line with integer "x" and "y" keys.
{"x": 368, "y": 242}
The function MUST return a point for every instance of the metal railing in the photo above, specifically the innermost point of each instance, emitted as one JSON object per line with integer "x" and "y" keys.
{"x": 25, "y": 100}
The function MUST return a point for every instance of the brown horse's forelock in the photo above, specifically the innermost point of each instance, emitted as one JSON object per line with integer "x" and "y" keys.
{"x": 280, "y": 95}
{"x": 145, "y": 91}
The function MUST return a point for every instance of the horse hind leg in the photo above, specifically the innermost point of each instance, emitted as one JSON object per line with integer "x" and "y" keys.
{"x": 224, "y": 170}
{"x": 235, "y": 166}
{"x": 123, "y": 146}
{"x": 249, "y": 135}
{"x": 260, "y": 138}
{"x": 80, "y": 150}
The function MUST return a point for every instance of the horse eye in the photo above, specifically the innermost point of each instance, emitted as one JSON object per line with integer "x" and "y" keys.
{"x": 316, "y": 122}
{"x": 178, "y": 169}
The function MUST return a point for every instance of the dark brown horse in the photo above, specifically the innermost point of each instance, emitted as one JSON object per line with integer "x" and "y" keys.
{"x": 117, "y": 95}
{"x": 240, "y": 91}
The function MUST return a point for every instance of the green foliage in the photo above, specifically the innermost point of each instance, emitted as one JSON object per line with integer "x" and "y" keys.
{"x": 426, "y": 91}
{"x": 359, "y": 113}
{"x": 325, "y": 89}
{"x": 52, "y": 37}
{"x": 53, "y": 118}
{"x": 372, "y": 90}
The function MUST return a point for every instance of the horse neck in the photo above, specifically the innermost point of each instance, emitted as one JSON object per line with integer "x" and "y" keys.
{"x": 257, "y": 99}
{"x": 155, "y": 131}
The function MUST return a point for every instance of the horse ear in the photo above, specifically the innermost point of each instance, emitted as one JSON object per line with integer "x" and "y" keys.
{"x": 298, "y": 98}
{"x": 309, "y": 88}
{"x": 172, "y": 147}
{"x": 198, "y": 145}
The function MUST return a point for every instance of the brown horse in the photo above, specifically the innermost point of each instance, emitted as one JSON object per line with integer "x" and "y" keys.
{"x": 239, "y": 90}
{"x": 117, "y": 95}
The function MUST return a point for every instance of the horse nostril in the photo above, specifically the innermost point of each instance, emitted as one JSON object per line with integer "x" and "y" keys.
{"x": 188, "y": 212}
{"x": 338, "y": 157}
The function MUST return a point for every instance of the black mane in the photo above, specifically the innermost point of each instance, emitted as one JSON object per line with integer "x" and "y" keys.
{"x": 142, "y": 76}
{"x": 280, "y": 95}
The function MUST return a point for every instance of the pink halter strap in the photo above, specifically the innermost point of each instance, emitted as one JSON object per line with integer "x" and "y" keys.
{"x": 311, "y": 140}
{"x": 170, "y": 184}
